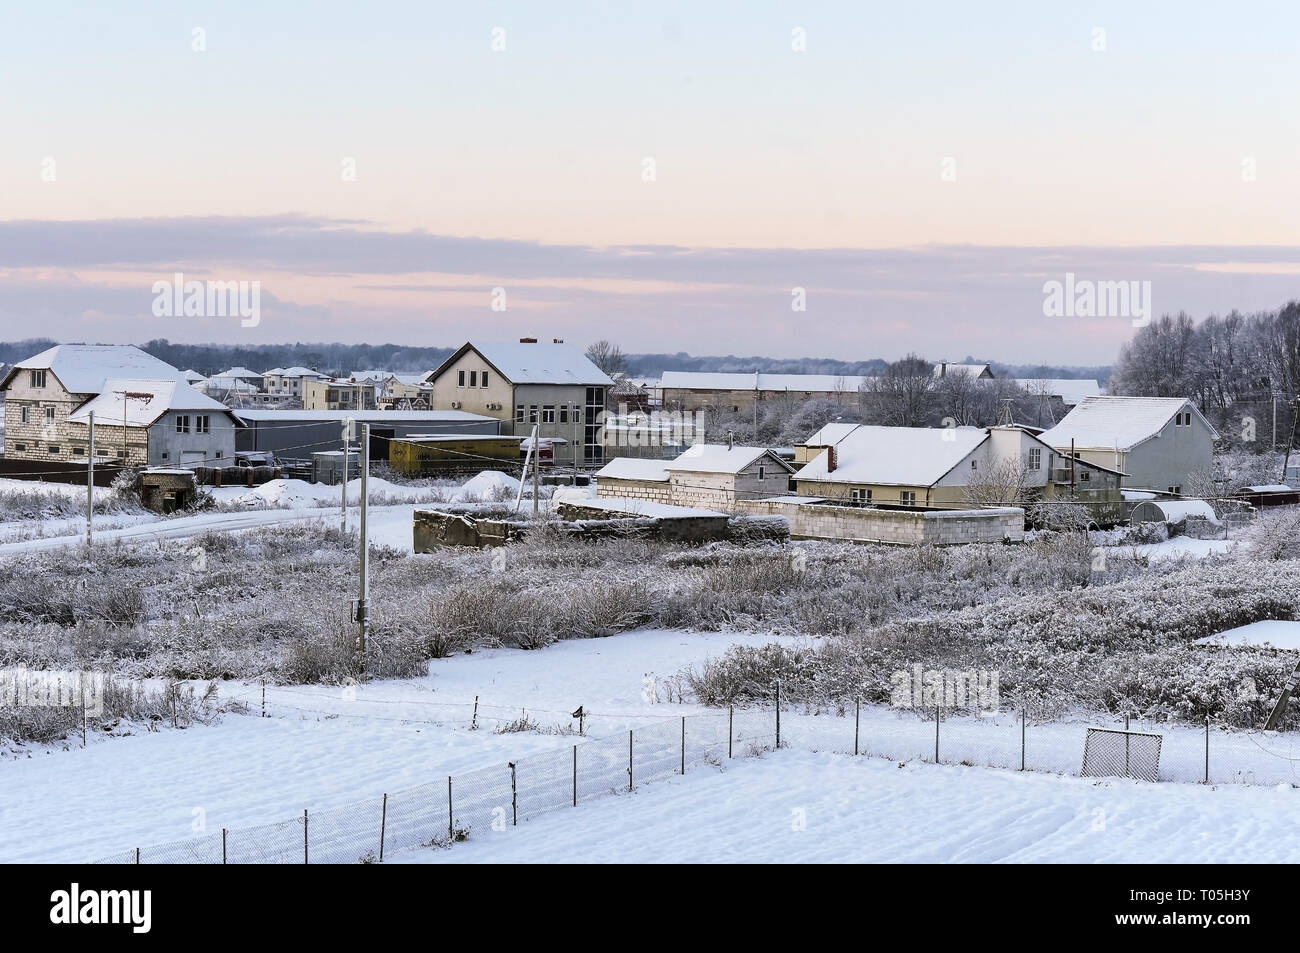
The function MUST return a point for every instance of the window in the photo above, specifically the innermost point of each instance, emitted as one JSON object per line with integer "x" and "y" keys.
{"x": 460, "y": 378}
{"x": 1085, "y": 476}
{"x": 20, "y": 448}
{"x": 974, "y": 465}
{"x": 101, "y": 452}
{"x": 548, "y": 413}
{"x": 1036, "y": 459}
{"x": 519, "y": 414}
{"x": 1176, "y": 489}
{"x": 79, "y": 451}
{"x": 532, "y": 413}
{"x": 26, "y": 415}
{"x": 38, "y": 378}
{"x": 473, "y": 378}
{"x": 201, "y": 424}
{"x": 484, "y": 379}
{"x": 54, "y": 448}
{"x": 164, "y": 454}
{"x": 564, "y": 414}
{"x": 49, "y": 413}
{"x": 762, "y": 472}
{"x": 908, "y": 497}
{"x": 1183, "y": 419}
{"x": 860, "y": 495}
{"x": 182, "y": 423}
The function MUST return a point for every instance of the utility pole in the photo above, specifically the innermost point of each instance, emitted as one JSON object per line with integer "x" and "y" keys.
{"x": 90, "y": 477}
{"x": 1290, "y": 442}
{"x": 537, "y": 465}
{"x": 349, "y": 431}
{"x": 363, "y": 600}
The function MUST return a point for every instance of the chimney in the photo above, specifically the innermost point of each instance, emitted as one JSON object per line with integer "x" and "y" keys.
{"x": 832, "y": 460}
{"x": 528, "y": 340}
{"x": 731, "y": 437}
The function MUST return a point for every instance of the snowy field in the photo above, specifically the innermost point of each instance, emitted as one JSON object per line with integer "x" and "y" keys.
{"x": 326, "y": 747}
{"x": 1277, "y": 633}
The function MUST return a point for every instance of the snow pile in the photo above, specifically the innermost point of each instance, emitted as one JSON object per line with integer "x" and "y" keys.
{"x": 1275, "y": 632}
{"x": 488, "y": 485}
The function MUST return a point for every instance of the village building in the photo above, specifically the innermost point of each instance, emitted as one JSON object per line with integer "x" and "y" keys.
{"x": 949, "y": 468}
{"x": 1156, "y": 442}
{"x": 716, "y": 476}
{"x": 145, "y": 411}
{"x": 285, "y": 383}
{"x": 635, "y": 479}
{"x": 332, "y": 394}
{"x": 739, "y": 393}
{"x": 523, "y": 384}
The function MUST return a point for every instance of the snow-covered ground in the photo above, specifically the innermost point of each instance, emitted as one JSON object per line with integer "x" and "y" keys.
{"x": 1178, "y": 547}
{"x": 818, "y": 807}
{"x": 1275, "y": 632}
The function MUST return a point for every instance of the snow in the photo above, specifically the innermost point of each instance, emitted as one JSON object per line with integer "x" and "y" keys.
{"x": 1179, "y": 547}
{"x": 644, "y": 508}
{"x": 539, "y": 363}
{"x": 901, "y": 456}
{"x": 807, "y": 807}
{"x": 800, "y": 383}
{"x": 634, "y": 468}
{"x": 1110, "y": 423}
{"x": 83, "y": 368}
{"x": 364, "y": 416}
{"x": 487, "y": 486}
{"x": 719, "y": 458}
{"x": 1176, "y": 510}
{"x": 1268, "y": 488}
{"x": 1278, "y": 633}
{"x": 120, "y": 401}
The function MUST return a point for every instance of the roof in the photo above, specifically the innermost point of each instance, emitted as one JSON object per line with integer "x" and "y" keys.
{"x": 724, "y": 380}
{"x": 634, "y": 468}
{"x": 539, "y": 363}
{"x": 1268, "y": 488}
{"x": 295, "y": 371}
{"x": 1175, "y": 510}
{"x": 221, "y": 382}
{"x": 83, "y": 368}
{"x": 1117, "y": 423}
{"x": 831, "y": 433}
{"x": 122, "y": 396}
{"x": 239, "y": 372}
{"x": 945, "y": 368}
{"x": 896, "y": 456}
{"x": 630, "y": 507}
{"x": 1070, "y": 391}
{"x": 193, "y": 376}
{"x": 719, "y": 458}
{"x": 365, "y": 416}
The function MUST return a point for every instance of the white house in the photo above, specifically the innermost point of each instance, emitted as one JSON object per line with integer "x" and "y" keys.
{"x": 1156, "y": 442}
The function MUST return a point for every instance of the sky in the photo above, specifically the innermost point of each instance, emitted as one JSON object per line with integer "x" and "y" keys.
{"x": 849, "y": 180}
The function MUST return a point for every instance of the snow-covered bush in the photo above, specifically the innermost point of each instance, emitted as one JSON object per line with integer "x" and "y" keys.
{"x": 1275, "y": 534}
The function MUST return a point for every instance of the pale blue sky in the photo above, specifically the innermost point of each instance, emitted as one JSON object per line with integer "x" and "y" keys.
{"x": 756, "y": 148}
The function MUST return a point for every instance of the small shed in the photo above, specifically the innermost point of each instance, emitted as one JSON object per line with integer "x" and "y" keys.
{"x": 1173, "y": 511}
{"x": 167, "y": 489}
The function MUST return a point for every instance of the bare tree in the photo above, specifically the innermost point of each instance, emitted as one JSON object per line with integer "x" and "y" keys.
{"x": 905, "y": 395}
{"x": 1001, "y": 484}
{"x": 609, "y": 358}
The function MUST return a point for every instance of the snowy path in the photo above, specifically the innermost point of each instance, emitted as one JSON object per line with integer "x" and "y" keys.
{"x": 868, "y": 810}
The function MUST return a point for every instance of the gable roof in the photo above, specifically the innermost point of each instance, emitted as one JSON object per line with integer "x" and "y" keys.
{"x": 634, "y": 468}
{"x": 895, "y": 456}
{"x": 1070, "y": 391}
{"x": 141, "y": 411}
{"x": 239, "y": 372}
{"x": 831, "y": 433}
{"x": 83, "y": 368}
{"x": 945, "y": 368}
{"x": 1109, "y": 423}
{"x": 730, "y": 380}
{"x": 719, "y": 458}
{"x": 532, "y": 363}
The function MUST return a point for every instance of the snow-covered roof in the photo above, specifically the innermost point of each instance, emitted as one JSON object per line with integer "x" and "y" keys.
{"x": 294, "y": 371}
{"x": 945, "y": 368}
{"x": 240, "y": 372}
{"x": 143, "y": 402}
{"x": 222, "y": 383}
{"x": 895, "y": 456}
{"x": 628, "y": 507}
{"x": 634, "y": 468}
{"x": 719, "y": 458}
{"x": 1268, "y": 488}
{"x": 831, "y": 433}
{"x": 193, "y": 376}
{"x": 1107, "y": 423}
{"x": 535, "y": 363}
{"x": 798, "y": 383}
{"x": 264, "y": 414}
{"x": 83, "y": 368}
{"x": 1070, "y": 391}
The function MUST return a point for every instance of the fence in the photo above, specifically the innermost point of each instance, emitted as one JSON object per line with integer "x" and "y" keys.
{"x": 443, "y": 812}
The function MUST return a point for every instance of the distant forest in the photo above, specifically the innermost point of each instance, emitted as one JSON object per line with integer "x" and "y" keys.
{"x": 339, "y": 359}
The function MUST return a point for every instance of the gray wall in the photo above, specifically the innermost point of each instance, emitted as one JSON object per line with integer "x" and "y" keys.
{"x": 286, "y": 437}
{"x": 217, "y": 446}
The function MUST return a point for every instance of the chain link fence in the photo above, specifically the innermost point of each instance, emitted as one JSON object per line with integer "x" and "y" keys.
{"x": 441, "y": 813}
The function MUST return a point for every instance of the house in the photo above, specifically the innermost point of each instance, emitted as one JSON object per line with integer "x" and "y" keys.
{"x": 159, "y": 423}
{"x": 1069, "y": 392}
{"x": 397, "y": 391}
{"x": 231, "y": 391}
{"x": 553, "y": 386}
{"x": 716, "y": 476}
{"x": 949, "y": 468}
{"x": 1156, "y": 442}
{"x": 49, "y": 396}
{"x": 636, "y": 479}
{"x": 331, "y": 394}
{"x": 285, "y": 383}
{"x": 738, "y": 393}
{"x": 973, "y": 371}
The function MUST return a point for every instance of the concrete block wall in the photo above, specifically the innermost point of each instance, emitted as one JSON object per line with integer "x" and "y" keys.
{"x": 900, "y": 527}
{"x": 649, "y": 491}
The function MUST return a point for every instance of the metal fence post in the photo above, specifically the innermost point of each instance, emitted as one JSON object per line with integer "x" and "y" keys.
{"x": 629, "y": 759}
{"x": 936, "y": 734}
{"x": 137, "y": 855}
{"x": 223, "y": 845}
{"x": 575, "y": 775}
{"x": 857, "y": 722}
{"x": 383, "y": 823}
{"x": 683, "y": 744}
{"x": 778, "y": 714}
{"x": 305, "y": 858}
{"x": 1126, "y": 745}
{"x": 514, "y": 796}
{"x": 451, "y": 824}
{"x": 731, "y": 717}
{"x": 1207, "y": 748}
{"x": 1022, "y": 739}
